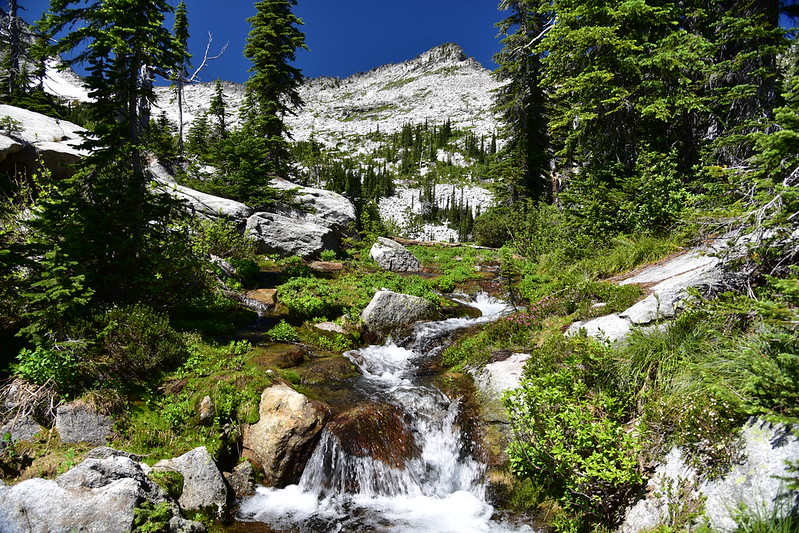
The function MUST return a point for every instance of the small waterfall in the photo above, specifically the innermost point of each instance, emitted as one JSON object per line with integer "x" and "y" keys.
{"x": 438, "y": 488}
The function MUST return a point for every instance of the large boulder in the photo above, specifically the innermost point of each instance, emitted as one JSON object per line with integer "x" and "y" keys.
{"x": 18, "y": 428}
{"x": 319, "y": 206}
{"x": 77, "y": 422}
{"x": 207, "y": 206}
{"x": 30, "y": 140}
{"x": 284, "y": 437}
{"x": 757, "y": 484}
{"x": 390, "y": 310}
{"x": 278, "y": 234}
{"x": 98, "y": 495}
{"x": 393, "y": 256}
{"x": 204, "y": 487}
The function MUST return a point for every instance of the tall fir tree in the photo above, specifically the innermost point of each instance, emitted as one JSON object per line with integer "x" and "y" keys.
{"x": 180, "y": 32}
{"x": 522, "y": 103}
{"x": 273, "y": 88}
{"x": 106, "y": 218}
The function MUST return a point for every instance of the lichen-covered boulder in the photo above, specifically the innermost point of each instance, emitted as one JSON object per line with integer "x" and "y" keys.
{"x": 319, "y": 206}
{"x": 204, "y": 487}
{"x": 390, "y": 310}
{"x": 283, "y": 439}
{"x": 393, "y": 256}
{"x": 96, "y": 496}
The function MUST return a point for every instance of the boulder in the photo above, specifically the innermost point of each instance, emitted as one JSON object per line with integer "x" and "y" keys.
{"x": 77, "y": 422}
{"x": 389, "y": 310}
{"x": 204, "y": 487}
{"x": 284, "y": 437}
{"x": 267, "y": 297}
{"x": 319, "y": 206}
{"x": 19, "y": 428}
{"x": 377, "y": 431}
{"x": 757, "y": 483}
{"x": 206, "y": 411}
{"x": 207, "y": 205}
{"x": 98, "y": 495}
{"x": 278, "y": 234}
{"x": 242, "y": 480}
{"x": 35, "y": 139}
{"x": 393, "y": 256}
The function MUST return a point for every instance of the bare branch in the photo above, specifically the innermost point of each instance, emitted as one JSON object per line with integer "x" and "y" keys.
{"x": 207, "y": 58}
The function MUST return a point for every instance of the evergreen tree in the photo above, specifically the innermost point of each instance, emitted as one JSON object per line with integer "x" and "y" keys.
{"x": 218, "y": 109}
{"x": 180, "y": 32}
{"x": 105, "y": 219}
{"x": 272, "y": 89}
{"x": 521, "y": 101}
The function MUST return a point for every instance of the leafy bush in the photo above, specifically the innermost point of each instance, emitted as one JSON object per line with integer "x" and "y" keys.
{"x": 569, "y": 432}
{"x": 219, "y": 237}
{"x": 283, "y": 332}
{"x": 133, "y": 345}
{"x": 41, "y": 365}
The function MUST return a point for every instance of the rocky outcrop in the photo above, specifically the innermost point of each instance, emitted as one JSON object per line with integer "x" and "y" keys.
{"x": 278, "y": 234}
{"x": 667, "y": 283}
{"x": 756, "y": 484}
{"x": 393, "y": 256}
{"x": 318, "y": 206}
{"x": 389, "y": 311}
{"x": 284, "y": 437}
{"x": 29, "y": 140}
{"x": 19, "y": 428}
{"x": 77, "y": 422}
{"x": 207, "y": 205}
{"x": 204, "y": 487}
{"x": 98, "y": 495}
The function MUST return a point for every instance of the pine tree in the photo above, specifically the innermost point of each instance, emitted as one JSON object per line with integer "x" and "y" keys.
{"x": 105, "y": 218}
{"x": 272, "y": 89}
{"x": 218, "y": 109}
{"x": 521, "y": 101}
{"x": 180, "y": 32}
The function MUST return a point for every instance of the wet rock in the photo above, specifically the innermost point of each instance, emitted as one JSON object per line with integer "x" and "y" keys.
{"x": 267, "y": 297}
{"x": 78, "y": 422}
{"x": 283, "y": 439}
{"x": 206, "y": 411}
{"x": 98, "y": 495}
{"x": 393, "y": 256}
{"x": 242, "y": 480}
{"x": 376, "y": 431}
{"x": 204, "y": 487}
{"x": 283, "y": 235}
{"x": 390, "y": 311}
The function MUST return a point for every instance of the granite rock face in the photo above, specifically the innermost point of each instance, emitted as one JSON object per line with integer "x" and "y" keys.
{"x": 203, "y": 485}
{"x": 77, "y": 422}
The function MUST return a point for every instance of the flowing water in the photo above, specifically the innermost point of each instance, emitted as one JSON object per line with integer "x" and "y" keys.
{"x": 439, "y": 489}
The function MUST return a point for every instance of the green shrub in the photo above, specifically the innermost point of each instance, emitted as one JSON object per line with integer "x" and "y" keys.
{"x": 569, "y": 435}
{"x": 149, "y": 518}
{"x": 135, "y": 344}
{"x": 283, "y": 332}
{"x": 247, "y": 271}
{"x": 328, "y": 255}
{"x": 493, "y": 228}
{"x": 41, "y": 365}
{"x": 220, "y": 237}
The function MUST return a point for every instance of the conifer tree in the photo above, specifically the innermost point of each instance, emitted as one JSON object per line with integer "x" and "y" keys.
{"x": 180, "y": 32}
{"x": 521, "y": 101}
{"x": 272, "y": 89}
{"x": 218, "y": 109}
{"x": 105, "y": 219}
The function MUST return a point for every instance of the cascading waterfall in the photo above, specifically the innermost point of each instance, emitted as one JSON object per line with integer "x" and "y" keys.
{"x": 438, "y": 489}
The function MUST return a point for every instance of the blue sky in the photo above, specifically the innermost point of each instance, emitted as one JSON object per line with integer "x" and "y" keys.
{"x": 345, "y": 36}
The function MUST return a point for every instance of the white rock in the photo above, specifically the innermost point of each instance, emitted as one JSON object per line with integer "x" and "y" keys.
{"x": 393, "y": 256}
{"x": 278, "y": 234}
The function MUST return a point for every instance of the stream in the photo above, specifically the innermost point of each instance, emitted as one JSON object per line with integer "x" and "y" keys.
{"x": 439, "y": 489}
